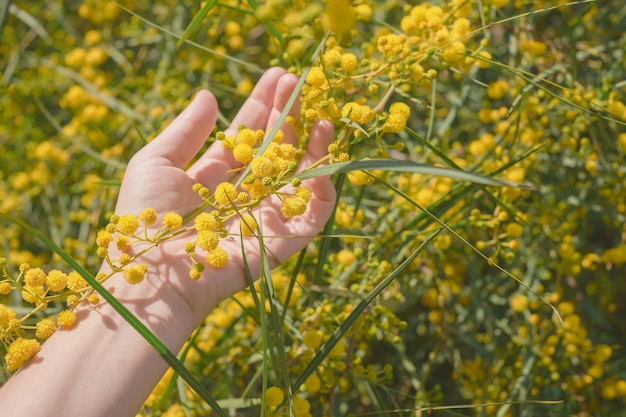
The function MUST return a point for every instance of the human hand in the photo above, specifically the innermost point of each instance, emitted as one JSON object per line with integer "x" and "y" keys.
{"x": 155, "y": 178}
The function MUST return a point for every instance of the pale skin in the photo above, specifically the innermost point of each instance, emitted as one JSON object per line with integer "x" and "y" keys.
{"x": 103, "y": 367}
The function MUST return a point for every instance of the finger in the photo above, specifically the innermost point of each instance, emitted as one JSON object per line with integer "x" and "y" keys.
{"x": 210, "y": 169}
{"x": 320, "y": 138}
{"x": 284, "y": 90}
{"x": 281, "y": 237}
{"x": 183, "y": 138}
{"x": 293, "y": 234}
{"x": 257, "y": 109}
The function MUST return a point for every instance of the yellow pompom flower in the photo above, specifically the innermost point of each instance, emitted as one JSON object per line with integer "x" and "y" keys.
{"x": 56, "y": 280}
{"x": 93, "y": 299}
{"x": 225, "y": 193}
{"x": 207, "y": 240}
{"x": 243, "y": 153}
{"x": 346, "y": 257}
{"x": 248, "y": 225}
{"x": 243, "y": 197}
{"x": 128, "y": 224}
{"x": 256, "y": 188}
{"x": 400, "y": 108}
{"x": 45, "y": 329}
{"x": 516, "y": 174}
{"x": 75, "y": 281}
{"x": 172, "y": 221}
{"x": 34, "y": 277}
{"x": 5, "y": 288}
{"x": 66, "y": 319}
{"x": 303, "y": 193}
{"x": 135, "y": 274}
{"x": 395, "y": 123}
{"x": 348, "y": 62}
{"x": 301, "y": 407}
{"x": 360, "y": 178}
{"x": 20, "y": 351}
{"x": 124, "y": 259}
{"x": 497, "y": 89}
{"x": 217, "y": 258}
{"x": 358, "y": 113}
{"x": 72, "y": 301}
{"x": 175, "y": 410}
{"x": 262, "y": 166}
{"x": 339, "y": 16}
{"x": 31, "y": 294}
{"x": 248, "y": 137}
{"x": 195, "y": 273}
{"x": 206, "y": 222}
{"x": 14, "y": 324}
{"x": 316, "y": 77}
{"x": 293, "y": 206}
{"x": 122, "y": 242}
{"x": 103, "y": 238}
{"x": 6, "y": 315}
{"x": 312, "y": 384}
{"x": 274, "y": 396}
{"x": 518, "y": 302}
{"x": 148, "y": 216}
{"x": 312, "y": 339}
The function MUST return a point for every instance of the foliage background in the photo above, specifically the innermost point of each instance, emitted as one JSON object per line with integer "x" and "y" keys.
{"x": 85, "y": 84}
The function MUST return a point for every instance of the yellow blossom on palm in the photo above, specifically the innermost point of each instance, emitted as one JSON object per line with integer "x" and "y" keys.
{"x": 217, "y": 258}
{"x": 293, "y": 206}
{"x": 66, "y": 319}
{"x": 148, "y": 216}
{"x": 206, "y": 222}
{"x": 134, "y": 274}
{"x": 128, "y": 224}
{"x": 172, "y": 221}
{"x": 248, "y": 225}
{"x": 225, "y": 193}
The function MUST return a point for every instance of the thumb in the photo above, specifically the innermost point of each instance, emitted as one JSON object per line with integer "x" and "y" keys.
{"x": 183, "y": 138}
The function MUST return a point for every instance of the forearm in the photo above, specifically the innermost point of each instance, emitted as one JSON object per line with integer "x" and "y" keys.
{"x": 102, "y": 366}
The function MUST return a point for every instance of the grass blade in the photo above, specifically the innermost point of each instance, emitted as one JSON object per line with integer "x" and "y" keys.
{"x": 396, "y": 165}
{"x": 197, "y": 19}
{"x": 354, "y": 315}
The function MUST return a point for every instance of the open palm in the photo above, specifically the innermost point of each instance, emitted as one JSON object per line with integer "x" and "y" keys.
{"x": 156, "y": 178}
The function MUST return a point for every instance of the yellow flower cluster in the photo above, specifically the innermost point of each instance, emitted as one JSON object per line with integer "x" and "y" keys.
{"x": 339, "y": 16}
{"x": 37, "y": 288}
{"x": 19, "y": 351}
{"x": 396, "y": 120}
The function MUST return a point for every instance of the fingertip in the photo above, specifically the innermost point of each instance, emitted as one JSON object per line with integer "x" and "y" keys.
{"x": 191, "y": 128}
{"x": 205, "y": 98}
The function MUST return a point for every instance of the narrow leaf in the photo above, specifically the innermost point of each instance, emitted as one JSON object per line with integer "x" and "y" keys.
{"x": 197, "y": 19}
{"x": 355, "y": 314}
{"x": 396, "y": 165}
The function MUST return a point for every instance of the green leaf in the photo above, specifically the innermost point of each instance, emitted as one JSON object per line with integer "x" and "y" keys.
{"x": 271, "y": 28}
{"x": 197, "y": 19}
{"x": 407, "y": 166}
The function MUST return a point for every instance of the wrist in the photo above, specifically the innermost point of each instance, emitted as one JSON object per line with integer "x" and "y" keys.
{"x": 153, "y": 301}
